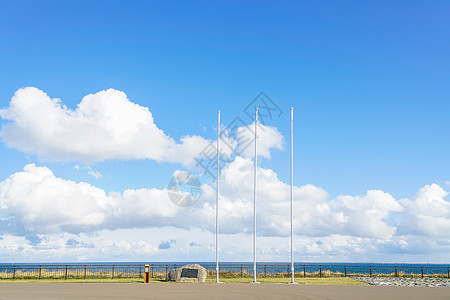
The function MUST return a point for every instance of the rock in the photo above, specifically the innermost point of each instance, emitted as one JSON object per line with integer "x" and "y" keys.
{"x": 394, "y": 281}
{"x": 191, "y": 273}
{"x": 172, "y": 275}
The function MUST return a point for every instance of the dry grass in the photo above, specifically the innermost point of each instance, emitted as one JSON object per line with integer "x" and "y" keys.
{"x": 99, "y": 280}
{"x": 307, "y": 280}
{"x": 44, "y": 274}
{"x": 210, "y": 280}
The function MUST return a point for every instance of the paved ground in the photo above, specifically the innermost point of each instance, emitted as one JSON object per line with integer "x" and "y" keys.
{"x": 37, "y": 291}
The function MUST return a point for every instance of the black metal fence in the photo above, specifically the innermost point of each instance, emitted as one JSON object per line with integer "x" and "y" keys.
{"x": 71, "y": 271}
{"x": 229, "y": 270}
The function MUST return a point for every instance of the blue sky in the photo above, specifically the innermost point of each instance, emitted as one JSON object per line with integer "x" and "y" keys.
{"x": 368, "y": 82}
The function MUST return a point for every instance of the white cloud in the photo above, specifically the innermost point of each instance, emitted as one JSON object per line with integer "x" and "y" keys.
{"x": 90, "y": 171}
{"x": 105, "y": 125}
{"x": 36, "y": 201}
{"x": 364, "y": 216}
{"x": 198, "y": 245}
{"x": 268, "y": 138}
{"x": 41, "y": 213}
{"x": 81, "y": 247}
{"x": 427, "y": 213}
{"x": 316, "y": 215}
{"x": 95, "y": 174}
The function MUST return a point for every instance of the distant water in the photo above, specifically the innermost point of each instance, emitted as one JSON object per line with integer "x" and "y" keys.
{"x": 273, "y": 266}
{"x": 230, "y": 263}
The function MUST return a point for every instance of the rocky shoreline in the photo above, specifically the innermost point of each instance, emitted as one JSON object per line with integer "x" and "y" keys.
{"x": 394, "y": 281}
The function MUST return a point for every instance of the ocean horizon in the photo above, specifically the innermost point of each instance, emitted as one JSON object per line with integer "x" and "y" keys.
{"x": 177, "y": 263}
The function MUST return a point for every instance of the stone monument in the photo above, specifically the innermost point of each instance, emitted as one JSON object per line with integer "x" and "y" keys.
{"x": 188, "y": 273}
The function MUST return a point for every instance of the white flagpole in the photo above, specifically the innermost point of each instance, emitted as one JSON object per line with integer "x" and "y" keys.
{"x": 217, "y": 199}
{"x": 292, "y": 195}
{"x": 254, "y": 197}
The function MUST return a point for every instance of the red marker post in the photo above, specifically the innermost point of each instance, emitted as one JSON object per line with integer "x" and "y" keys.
{"x": 147, "y": 274}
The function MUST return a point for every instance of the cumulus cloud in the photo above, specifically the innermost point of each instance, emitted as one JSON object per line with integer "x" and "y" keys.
{"x": 35, "y": 201}
{"x": 43, "y": 214}
{"x": 364, "y": 216}
{"x": 268, "y": 138}
{"x": 316, "y": 214}
{"x": 194, "y": 245}
{"x": 427, "y": 213}
{"x": 37, "y": 209}
{"x": 103, "y": 246}
{"x": 105, "y": 125}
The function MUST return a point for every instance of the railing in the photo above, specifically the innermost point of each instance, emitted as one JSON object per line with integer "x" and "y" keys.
{"x": 228, "y": 270}
{"x": 71, "y": 271}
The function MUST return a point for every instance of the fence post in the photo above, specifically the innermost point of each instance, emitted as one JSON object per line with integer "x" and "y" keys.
{"x": 304, "y": 271}
{"x": 345, "y": 271}
{"x": 421, "y": 271}
{"x": 151, "y": 268}
{"x": 396, "y": 274}
{"x": 370, "y": 271}
{"x": 265, "y": 271}
{"x": 40, "y": 268}
{"x": 166, "y": 271}
{"x": 242, "y": 274}
{"x": 112, "y": 273}
{"x": 65, "y": 276}
{"x": 320, "y": 271}
{"x": 14, "y": 273}
{"x": 85, "y": 267}
{"x": 448, "y": 272}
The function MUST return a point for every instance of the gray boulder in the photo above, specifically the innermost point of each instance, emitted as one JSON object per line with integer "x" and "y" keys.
{"x": 188, "y": 273}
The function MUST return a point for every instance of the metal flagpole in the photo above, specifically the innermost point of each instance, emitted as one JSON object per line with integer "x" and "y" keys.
{"x": 254, "y": 197}
{"x": 292, "y": 195}
{"x": 217, "y": 199}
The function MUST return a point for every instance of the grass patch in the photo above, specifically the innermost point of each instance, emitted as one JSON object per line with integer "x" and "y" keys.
{"x": 210, "y": 280}
{"x": 99, "y": 280}
{"x": 327, "y": 280}
{"x": 331, "y": 281}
